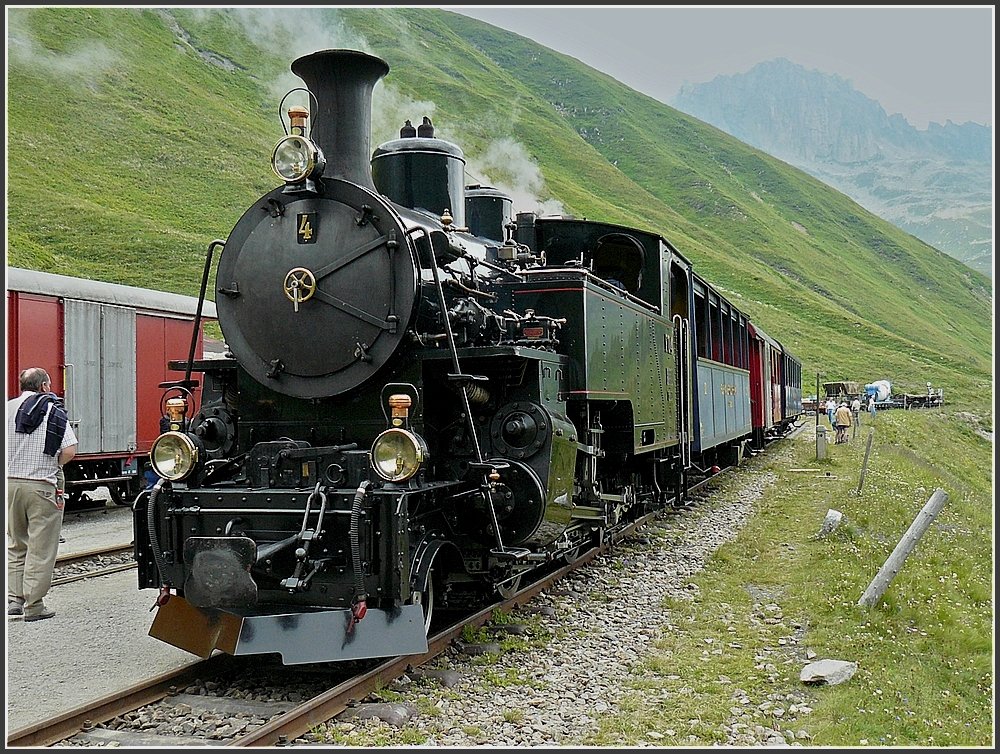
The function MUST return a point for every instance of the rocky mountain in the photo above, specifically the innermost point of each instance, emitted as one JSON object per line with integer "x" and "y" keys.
{"x": 934, "y": 184}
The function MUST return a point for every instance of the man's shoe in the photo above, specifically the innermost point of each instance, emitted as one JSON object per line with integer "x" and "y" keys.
{"x": 46, "y": 613}
{"x": 15, "y": 608}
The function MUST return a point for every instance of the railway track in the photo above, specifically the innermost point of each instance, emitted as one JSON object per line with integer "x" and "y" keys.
{"x": 108, "y": 719}
{"x": 179, "y": 707}
{"x": 99, "y": 561}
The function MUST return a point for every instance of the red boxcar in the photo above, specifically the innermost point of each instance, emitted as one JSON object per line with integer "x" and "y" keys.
{"x": 106, "y": 348}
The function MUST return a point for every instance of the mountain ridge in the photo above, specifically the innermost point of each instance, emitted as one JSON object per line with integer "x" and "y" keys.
{"x": 934, "y": 183}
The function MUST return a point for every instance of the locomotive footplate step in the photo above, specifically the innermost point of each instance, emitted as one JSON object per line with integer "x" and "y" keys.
{"x": 465, "y": 379}
{"x": 511, "y": 553}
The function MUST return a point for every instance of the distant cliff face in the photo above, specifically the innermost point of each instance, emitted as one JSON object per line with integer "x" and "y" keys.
{"x": 934, "y": 184}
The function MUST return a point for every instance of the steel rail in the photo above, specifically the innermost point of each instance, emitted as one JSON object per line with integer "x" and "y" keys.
{"x": 93, "y": 574}
{"x": 77, "y": 557}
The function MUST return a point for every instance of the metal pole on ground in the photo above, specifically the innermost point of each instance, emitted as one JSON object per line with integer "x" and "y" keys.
{"x": 894, "y": 562}
{"x": 864, "y": 464}
{"x": 817, "y": 415}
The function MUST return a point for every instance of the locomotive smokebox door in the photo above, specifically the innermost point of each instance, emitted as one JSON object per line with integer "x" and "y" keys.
{"x": 317, "y": 319}
{"x": 218, "y": 571}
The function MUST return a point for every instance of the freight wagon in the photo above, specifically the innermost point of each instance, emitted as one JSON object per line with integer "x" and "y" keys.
{"x": 106, "y": 348}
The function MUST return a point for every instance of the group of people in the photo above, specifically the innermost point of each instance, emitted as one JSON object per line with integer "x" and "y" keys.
{"x": 40, "y": 441}
{"x": 842, "y": 416}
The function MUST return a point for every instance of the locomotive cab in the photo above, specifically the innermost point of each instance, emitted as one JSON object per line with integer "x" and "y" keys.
{"x": 619, "y": 259}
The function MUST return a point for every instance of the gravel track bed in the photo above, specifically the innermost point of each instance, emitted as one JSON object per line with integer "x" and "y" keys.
{"x": 217, "y": 709}
{"x": 602, "y": 620}
{"x": 92, "y": 565}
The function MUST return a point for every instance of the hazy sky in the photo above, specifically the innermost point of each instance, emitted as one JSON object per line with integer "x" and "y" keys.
{"x": 929, "y": 63}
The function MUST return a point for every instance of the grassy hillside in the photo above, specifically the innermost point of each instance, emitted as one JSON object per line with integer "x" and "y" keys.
{"x": 137, "y": 136}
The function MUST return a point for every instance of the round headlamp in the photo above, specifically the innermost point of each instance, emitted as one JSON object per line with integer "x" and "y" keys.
{"x": 397, "y": 454}
{"x": 173, "y": 455}
{"x": 296, "y": 158}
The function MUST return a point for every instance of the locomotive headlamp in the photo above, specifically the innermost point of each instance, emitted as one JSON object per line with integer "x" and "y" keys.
{"x": 397, "y": 454}
{"x": 173, "y": 455}
{"x": 296, "y": 158}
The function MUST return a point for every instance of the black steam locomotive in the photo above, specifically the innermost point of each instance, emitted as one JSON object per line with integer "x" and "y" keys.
{"x": 425, "y": 397}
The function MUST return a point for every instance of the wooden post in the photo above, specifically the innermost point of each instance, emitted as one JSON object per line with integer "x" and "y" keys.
{"x": 864, "y": 464}
{"x": 895, "y": 561}
{"x": 817, "y": 418}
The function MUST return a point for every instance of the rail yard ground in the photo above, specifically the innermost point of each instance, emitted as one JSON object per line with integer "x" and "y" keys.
{"x": 694, "y": 632}
{"x": 97, "y": 644}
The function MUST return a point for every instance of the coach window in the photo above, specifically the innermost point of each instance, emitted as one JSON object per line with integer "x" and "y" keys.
{"x": 723, "y": 326}
{"x": 734, "y": 324}
{"x": 701, "y": 323}
{"x": 727, "y": 335}
{"x": 749, "y": 345}
{"x": 741, "y": 342}
{"x": 731, "y": 338}
{"x": 737, "y": 341}
{"x": 713, "y": 313}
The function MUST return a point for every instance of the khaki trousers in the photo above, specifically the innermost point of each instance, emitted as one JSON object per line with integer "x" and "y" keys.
{"x": 33, "y": 525}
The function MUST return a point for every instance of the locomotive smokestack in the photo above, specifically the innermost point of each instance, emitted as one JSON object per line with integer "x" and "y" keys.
{"x": 342, "y": 81}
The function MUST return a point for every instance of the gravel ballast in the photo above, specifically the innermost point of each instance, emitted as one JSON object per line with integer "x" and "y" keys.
{"x": 608, "y": 615}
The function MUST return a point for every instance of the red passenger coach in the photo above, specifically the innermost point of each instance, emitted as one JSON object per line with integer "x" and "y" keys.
{"x": 106, "y": 348}
{"x": 775, "y": 386}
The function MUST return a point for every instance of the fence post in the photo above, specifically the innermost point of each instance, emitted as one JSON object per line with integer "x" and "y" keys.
{"x": 864, "y": 464}
{"x": 893, "y": 563}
